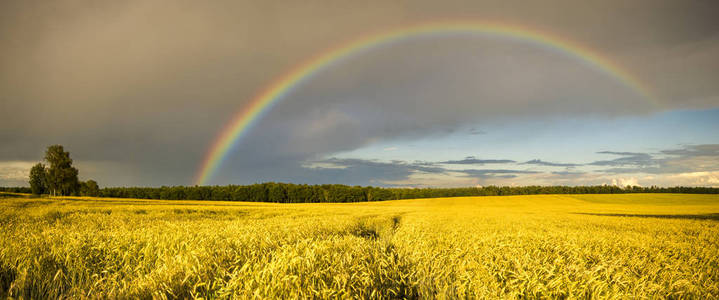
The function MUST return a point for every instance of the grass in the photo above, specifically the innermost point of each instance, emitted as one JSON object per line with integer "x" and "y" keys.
{"x": 556, "y": 246}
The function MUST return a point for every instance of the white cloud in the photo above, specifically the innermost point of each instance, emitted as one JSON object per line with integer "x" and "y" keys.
{"x": 14, "y": 172}
{"x": 699, "y": 178}
{"x": 622, "y": 182}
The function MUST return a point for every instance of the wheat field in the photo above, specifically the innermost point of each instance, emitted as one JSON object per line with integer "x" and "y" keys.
{"x": 538, "y": 246}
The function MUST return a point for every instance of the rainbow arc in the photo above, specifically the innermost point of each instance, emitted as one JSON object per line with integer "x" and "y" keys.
{"x": 243, "y": 120}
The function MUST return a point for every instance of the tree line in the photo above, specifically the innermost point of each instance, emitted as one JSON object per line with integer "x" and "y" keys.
{"x": 302, "y": 193}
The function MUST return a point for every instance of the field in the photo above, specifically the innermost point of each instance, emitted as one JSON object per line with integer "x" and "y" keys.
{"x": 577, "y": 246}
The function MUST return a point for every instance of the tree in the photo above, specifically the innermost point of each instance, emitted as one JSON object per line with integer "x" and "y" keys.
{"x": 61, "y": 175}
{"x": 38, "y": 179}
{"x": 90, "y": 188}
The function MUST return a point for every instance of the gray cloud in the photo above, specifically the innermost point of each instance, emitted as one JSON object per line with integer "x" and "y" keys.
{"x": 622, "y": 153}
{"x": 540, "y": 162}
{"x": 364, "y": 172}
{"x": 634, "y": 170}
{"x": 680, "y": 160}
{"x": 382, "y": 172}
{"x": 694, "y": 151}
{"x": 568, "y": 173}
{"x": 495, "y": 173}
{"x": 471, "y": 160}
{"x": 405, "y": 166}
{"x": 627, "y": 158}
{"x": 690, "y": 158}
{"x": 475, "y": 131}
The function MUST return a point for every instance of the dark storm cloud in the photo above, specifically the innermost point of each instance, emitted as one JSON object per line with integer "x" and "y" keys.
{"x": 540, "y": 162}
{"x": 471, "y": 160}
{"x": 138, "y": 90}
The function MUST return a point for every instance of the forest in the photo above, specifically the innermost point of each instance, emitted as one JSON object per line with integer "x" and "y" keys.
{"x": 303, "y": 193}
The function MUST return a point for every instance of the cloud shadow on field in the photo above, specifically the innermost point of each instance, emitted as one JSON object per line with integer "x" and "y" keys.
{"x": 711, "y": 216}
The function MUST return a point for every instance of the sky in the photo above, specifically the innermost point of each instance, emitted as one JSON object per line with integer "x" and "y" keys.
{"x": 138, "y": 91}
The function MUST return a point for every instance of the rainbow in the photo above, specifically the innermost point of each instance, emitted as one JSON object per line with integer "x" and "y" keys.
{"x": 277, "y": 89}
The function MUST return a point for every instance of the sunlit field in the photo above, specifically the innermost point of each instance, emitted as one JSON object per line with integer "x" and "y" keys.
{"x": 623, "y": 246}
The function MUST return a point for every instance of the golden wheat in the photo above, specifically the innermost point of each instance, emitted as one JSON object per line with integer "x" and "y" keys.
{"x": 576, "y": 246}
